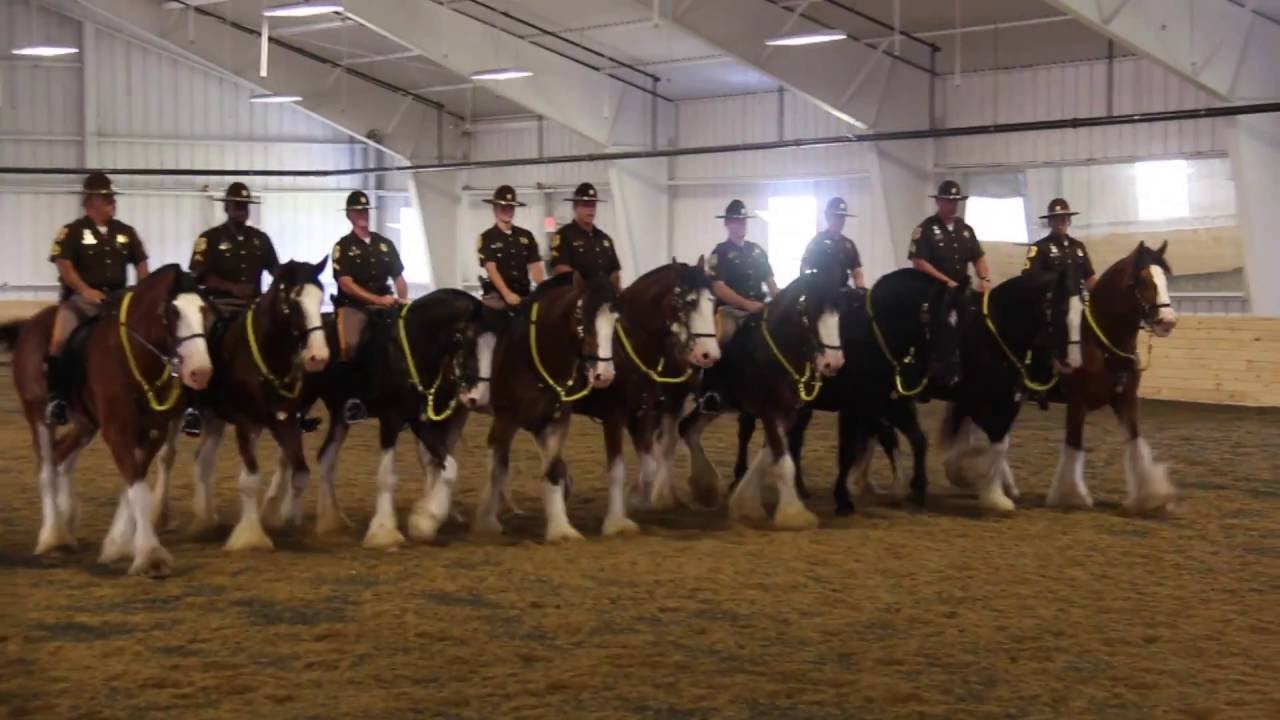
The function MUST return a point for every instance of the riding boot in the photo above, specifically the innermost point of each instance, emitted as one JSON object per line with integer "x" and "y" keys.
{"x": 192, "y": 422}
{"x": 353, "y": 409}
{"x": 55, "y": 411}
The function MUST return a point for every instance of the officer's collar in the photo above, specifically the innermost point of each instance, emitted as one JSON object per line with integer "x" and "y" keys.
{"x": 589, "y": 230}
{"x": 366, "y": 241}
{"x": 505, "y": 232}
{"x": 742, "y": 244}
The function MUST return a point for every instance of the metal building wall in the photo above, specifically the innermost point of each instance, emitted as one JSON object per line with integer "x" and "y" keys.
{"x": 147, "y": 108}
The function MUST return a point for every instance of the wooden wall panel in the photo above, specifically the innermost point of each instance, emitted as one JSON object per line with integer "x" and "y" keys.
{"x": 1225, "y": 360}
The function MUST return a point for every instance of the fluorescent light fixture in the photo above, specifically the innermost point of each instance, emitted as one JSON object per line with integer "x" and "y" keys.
{"x": 808, "y": 38}
{"x": 274, "y": 98}
{"x": 501, "y": 74}
{"x": 45, "y": 50}
{"x": 303, "y": 9}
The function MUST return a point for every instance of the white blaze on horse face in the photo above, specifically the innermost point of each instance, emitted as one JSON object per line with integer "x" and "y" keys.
{"x": 1075, "y": 311}
{"x": 606, "y": 319}
{"x": 193, "y": 355}
{"x": 315, "y": 353}
{"x": 477, "y": 396}
{"x": 1166, "y": 318}
{"x": 831, "y": 359}
{"x": 702, "y": 323}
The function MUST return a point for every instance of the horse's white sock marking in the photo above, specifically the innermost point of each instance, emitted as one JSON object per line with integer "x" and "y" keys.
{"x": 559, "y": 529}
{"x": 329, "y": 515}
{"x": 955, "y": 452}
{"x": 149, "y": 558}
{"x": 1075, "y": 311}
{"x": 991, "y": 487}
{"x": 1068, "y": 489}
{"x": 118, "y": 544}
{"x": 383, "y": 531}
{"x": 704, "y": 478}
{"x": 615, "y": 519}
{"x": 1147, "y": 481}
{"x": 791, "y": 513}
{"x": 432, "y": 510}
{"x": 203, "y": 506}
{"x": 745, "y": 502}
{"x": 53, "y": 527}
{"x": 68, "y": 504}
{"x": 486, "y": 520}
{"x": 248, "y": 533}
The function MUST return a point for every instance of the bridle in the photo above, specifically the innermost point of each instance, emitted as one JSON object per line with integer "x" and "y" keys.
{"x": 564, "y": 391}
{"x": 909, "y": 359}
{"x": 171, "y": 362}
{"x": 684, "y": 309}
{"x": 1147, "y": 315}
{"x": 290, "y": 386}
{"x": 809, "y": 377}
{"x": 1022, "y": 366}
{"x": 429, "y": 411}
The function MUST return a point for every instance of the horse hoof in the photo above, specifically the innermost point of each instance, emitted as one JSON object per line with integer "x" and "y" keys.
{"x": 794, "y": 517}
{"x": 382, "y": 537}
{"x": 620, "y": 525}
{"x": 664, "y": 499}
{"x": 156, "y": 564}
{"x": 956, "y": 477}
{"x": 1061, "y": 500}
{"x": 1149, "y": 504}
{"x": 748, "y": 512}
{"x": 331, "y": 523}
{"x": 248, "y": 536}
{"x": 55, "y": 539}
{"x": 997, "y": 503}
{"x": 114, "y": 551}
{"x": 423, "y": 527}
{"x": 707, "y": 496}
{"x": 486, "y": 526}
{"x": 562, "y": 534}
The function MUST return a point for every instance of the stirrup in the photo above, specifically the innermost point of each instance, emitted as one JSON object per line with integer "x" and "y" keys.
{"x": 192, "y": 423}
{"x": 309, "y": 424}
{"x": 55, "y": 412}
{"x": 354, "y": 411}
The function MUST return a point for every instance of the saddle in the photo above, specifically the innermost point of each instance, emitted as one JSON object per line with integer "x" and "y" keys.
{"x": 74, "y": 354}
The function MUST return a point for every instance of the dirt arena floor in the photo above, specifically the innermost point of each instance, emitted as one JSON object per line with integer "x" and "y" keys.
{"x": 892, "y": 613}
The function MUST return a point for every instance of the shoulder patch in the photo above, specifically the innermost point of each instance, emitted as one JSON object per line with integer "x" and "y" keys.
{"x": 555, "y": 241}
{"x": 1031, "y": 251}
{"x": 915, "y": 234}
{"x": 712, "y": 260}
{"x": 337, "y": 252}
{"x": 480, "y": 241}
{"x": 201, "y": 244}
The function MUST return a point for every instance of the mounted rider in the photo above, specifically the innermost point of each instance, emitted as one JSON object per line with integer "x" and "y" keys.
{"x": 832, "y": 249}
{"x": 1059, "y": 250}
{"x": 92, "y": 255}
{"x": 508, "y": 254}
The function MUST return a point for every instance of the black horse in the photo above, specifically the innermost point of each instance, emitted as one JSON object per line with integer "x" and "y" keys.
{"x": 903, "y": 340}
{"x": 771, "y": 368}
{"x": 1013, "y": 336}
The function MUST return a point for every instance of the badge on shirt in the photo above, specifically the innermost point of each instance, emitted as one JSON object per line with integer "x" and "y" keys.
{"x": 937, "y": 231}
{"x": 1031, "y": 252}
{"x": 353, "y": 251}
{"x": 1053, "y": 249}
{"x": 87, "y": 238}
{"x": 122, "y": 239}
{"x": 224, "y": 245}
{"x": 1080, "y": 251}
{"x": 382, "y": 246}
{"x": 524, "y": 241}
{"x": 606, "y": 243}
{"x": 201, "y": 244}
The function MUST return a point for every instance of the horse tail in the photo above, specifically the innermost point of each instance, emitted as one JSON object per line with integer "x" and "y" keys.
{"x": 10, "y": 332}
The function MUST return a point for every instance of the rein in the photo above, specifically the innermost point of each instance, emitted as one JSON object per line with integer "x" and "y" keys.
{"x": 414, "y": 379}
{"x": 655, "y": 373}
{"x": 808, "y": 376}
{"x": 167, "y": 379}
{"x": 561, "y": 391}
{"x": 1097, "y": 330}
{"x": 1022, "y": 366}
{"x": 295, "y": 375}
{"x": 884, "y": 348}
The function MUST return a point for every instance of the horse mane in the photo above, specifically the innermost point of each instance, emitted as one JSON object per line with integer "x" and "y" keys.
{"x": 442, "y": 306}
{"x": 900, "y": 287}
{"x": 172, "y": 278}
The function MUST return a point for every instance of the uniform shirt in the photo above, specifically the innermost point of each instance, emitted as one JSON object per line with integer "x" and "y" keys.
{"x": 1049, "y": 254}
{"x": 101, "y": 259}
{"x": 590, "y": 253}
{"x": 371, "y": 265}
{"x": 949, "y": 251}
{"x": 831, "y": 250}
{"x": 234, "y": 257}
{"x": 744, "y": 269}
{"x": 512, "y": 253}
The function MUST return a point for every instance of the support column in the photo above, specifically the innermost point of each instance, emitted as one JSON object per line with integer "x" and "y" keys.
{"x": 437, "y": 197}
{"x": 89, "y": 93}
{"x": 643, "y": 206}
{"x": 1254, "y": 144}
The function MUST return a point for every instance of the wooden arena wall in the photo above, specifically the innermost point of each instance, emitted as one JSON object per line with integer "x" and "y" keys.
{"x": 1209, "y": 358}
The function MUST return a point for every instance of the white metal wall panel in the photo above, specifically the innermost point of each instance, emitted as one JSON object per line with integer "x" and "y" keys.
{"x": 520, "y": 140}
{"x": 1073, "y": 90}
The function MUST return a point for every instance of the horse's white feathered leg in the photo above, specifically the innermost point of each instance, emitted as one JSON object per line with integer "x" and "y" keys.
{"x": 1068, "y": 489}
{"x": 1147, "y": 481}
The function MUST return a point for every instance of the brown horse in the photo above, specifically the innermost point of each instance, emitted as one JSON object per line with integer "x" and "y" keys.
{"x": 558, "y": 350}
{"x": 133, "y": 356}
{"x": 1132, "y": 294}
{"x": 260, "y": 361}
{"x": 416, "y": 362}
{"x": 772, "y": 367}
{"x": 665, "y": 329}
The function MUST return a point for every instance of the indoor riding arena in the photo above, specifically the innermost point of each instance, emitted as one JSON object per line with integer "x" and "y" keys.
{"x": 219, "y": 196}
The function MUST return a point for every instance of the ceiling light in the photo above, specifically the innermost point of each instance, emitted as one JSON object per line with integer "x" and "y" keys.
{"x": 274, "y": 98}
{"x": 303, "y": 9}
{"x": 501, "y": 74}
{"x": 45, "y": 50}
{"x": 808, "y": 38}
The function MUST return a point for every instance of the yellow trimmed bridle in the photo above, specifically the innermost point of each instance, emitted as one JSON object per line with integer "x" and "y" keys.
{"x": 429, "y": 411}
{"x": 884, "y": 348}
{"x": 1022, "y": 366}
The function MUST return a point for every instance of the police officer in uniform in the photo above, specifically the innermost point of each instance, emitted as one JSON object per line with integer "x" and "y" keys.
{"x": 944, "y": 244}
{"x": 741, "y": 278}
{"x": 228, "y": 260}
{"x": 831, "y": 248}
{"x": 1058, "y": 249}
{"x": 508, "y": 254}
{"x": 582, "y": 246}
{"x": 365, "y": 264}
{"x": 92, "y": 255}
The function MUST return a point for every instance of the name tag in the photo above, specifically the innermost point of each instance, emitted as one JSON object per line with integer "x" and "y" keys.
{"x": 88, "y": 238}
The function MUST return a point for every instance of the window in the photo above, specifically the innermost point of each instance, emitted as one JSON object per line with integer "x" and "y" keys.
{"x": 793, "y": 221}
{"x": 1162, "y": 189}
{"x": 997, "y": 219}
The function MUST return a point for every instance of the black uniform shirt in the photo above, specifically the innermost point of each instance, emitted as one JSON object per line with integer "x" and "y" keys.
{"x": 590, "y": 253}
{"x": 744, "y": 269}
{"x": 237, "y": 257}
{"x": 948, "y": 250}
{"x": 371, "y": 265}
{"x": 512, "y": 254}
{"x": 1049, "y": 254}
{"x": 101, "y": 259}
{"x": 831, "y": 250}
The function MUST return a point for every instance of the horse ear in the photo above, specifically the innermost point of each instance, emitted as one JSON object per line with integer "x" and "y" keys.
{"x": 702, "y": 262}
{"x": 1163, "y": 246}
{"x": 1141, "y": 244}
{"x": 320, "y": 265}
